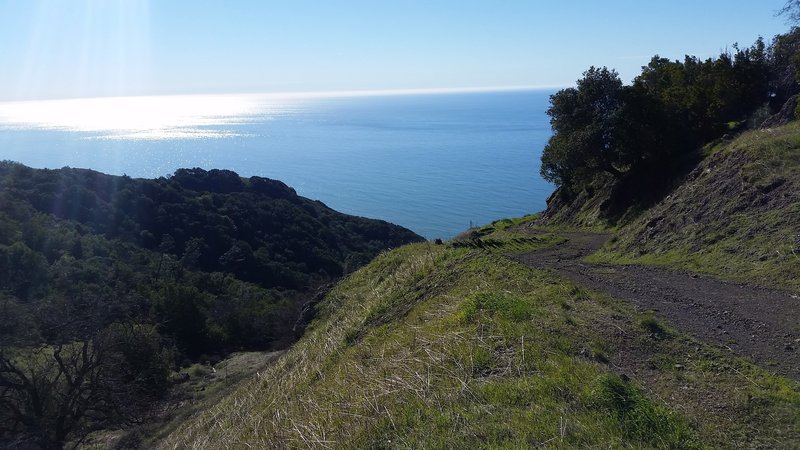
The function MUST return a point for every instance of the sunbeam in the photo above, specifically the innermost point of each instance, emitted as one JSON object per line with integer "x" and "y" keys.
{"x": 86, "y": 48}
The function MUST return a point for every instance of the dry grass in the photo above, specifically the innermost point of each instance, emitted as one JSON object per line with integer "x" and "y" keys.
{"x": 442, "y": 347}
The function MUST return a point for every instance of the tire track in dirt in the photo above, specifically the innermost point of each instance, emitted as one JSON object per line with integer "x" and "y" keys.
{"x": 759, "y": 323}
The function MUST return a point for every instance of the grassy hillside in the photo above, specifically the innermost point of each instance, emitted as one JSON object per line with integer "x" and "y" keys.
{"x": 449, "y": 346}
{"x": 736, "y": 215}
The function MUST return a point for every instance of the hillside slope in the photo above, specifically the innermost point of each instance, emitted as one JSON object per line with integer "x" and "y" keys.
{"x": 257, "y": 229}
{"x": 736, "y": 215}
{"x": 246, "y": 253}
{"x": 458, "y": 346}
{"x": 108, "y": 284}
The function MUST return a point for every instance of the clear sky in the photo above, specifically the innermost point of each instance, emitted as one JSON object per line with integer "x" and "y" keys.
{"x": 86, "y": 48}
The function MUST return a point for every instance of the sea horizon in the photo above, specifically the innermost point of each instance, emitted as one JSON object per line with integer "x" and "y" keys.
{"x": 434, "y": 161}
{"x": 311, "y": 93}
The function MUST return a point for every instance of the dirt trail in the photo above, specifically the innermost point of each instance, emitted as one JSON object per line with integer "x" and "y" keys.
{"x": 762, "y": 324}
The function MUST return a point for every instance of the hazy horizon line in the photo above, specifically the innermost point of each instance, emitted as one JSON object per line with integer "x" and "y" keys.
{"x": 315, "y": 94}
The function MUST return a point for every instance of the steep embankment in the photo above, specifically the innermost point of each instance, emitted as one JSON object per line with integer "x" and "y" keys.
{"x": 736, "y": 215}
{"x": 459, "y": 346}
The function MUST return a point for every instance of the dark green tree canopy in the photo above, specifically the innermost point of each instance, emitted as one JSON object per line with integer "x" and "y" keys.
{"x": 584, "y": 121}
{"x": 603, "y": 128}
{"x": 107, "y": 283}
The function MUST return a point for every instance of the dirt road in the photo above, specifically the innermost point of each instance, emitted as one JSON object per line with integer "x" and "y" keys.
{"x": 762, "y": 324}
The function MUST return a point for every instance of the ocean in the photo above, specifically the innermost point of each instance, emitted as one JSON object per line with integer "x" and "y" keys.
{"x": 433, "y": 162}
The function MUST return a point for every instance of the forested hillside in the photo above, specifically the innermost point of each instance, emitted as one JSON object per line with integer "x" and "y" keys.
{"x": 108, "y": 283}
{"x": 631, "y": 143}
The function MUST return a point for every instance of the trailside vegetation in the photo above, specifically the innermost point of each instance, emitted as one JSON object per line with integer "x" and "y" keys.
{"x": 734, "y": 216}
{"x": 458, "y": 346}
{"x": 108, "y": 283}
{"x": 638, "y": 137}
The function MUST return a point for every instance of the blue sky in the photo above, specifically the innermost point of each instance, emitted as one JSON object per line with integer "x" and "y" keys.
{"x": 86, "y": 48}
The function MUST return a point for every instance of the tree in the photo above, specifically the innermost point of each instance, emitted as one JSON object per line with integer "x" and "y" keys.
{"x": 183, "y": 312}
{"x": 791, "y": 10}
{"x": 47, "y": 392}
{"x": 784, "y": 61}
{"x": 584, "y": 120}
{"x": 87, "y": 375}
{"x": 647, "y": 130}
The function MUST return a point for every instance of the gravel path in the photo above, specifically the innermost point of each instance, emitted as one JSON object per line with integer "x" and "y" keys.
{"x": 762, "y": 324}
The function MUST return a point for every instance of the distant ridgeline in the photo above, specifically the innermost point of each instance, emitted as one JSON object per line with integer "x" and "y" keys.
{"x": 257, "y": 229}
{"x": 138, "y": 275}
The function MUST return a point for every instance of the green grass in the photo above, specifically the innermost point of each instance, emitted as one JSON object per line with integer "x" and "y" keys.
{"x": 438, "y": 346}
{"x": 736, "y": 217}
{"x": 503, "y": 236}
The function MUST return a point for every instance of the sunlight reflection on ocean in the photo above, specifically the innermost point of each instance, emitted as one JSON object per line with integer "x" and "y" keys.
{"x": 432, "y": 163}
{"x": 142, "y": 118}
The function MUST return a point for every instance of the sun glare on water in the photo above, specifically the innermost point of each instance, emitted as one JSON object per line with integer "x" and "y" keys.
{"x": 172, "y": 116}
{"x": 102, "y": 49}
{"x": 137, "y": 118}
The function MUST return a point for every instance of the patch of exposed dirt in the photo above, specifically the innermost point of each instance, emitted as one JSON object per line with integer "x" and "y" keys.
{"x": 751, "y": 321}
